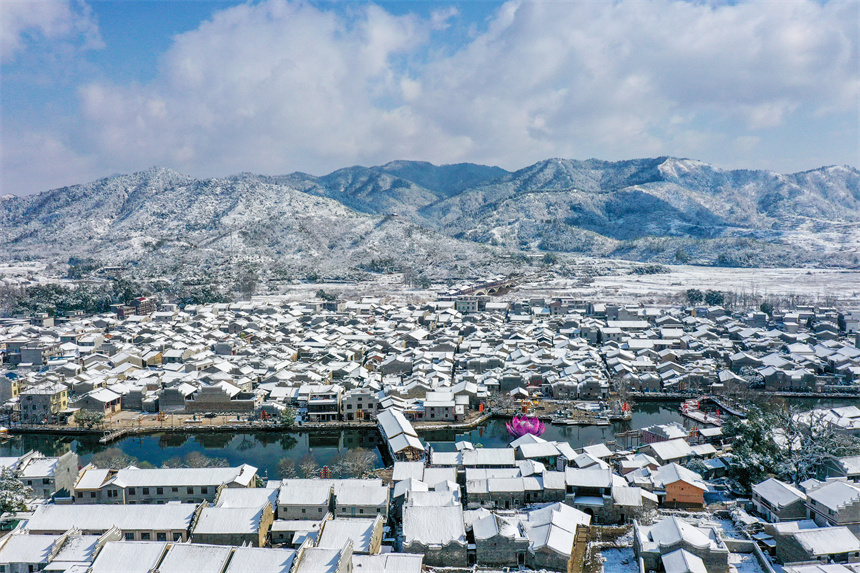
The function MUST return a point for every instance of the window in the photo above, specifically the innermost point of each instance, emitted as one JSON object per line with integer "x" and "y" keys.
{"x": 129, "y": 536}
{"x": 92, "y": 494}
{"x": 161, "y": 536}
{"x": 177, "y": 537}
{"x": 204, "y": 490}
{"x": 146, "y": 491}
{"x": 46, "y": 481}
{"x": 80, "y": 495}
{"x": 304, "y": 510}
{"x": 145, "y": 536}
{"x": 190, "y": 490}
{"x": 159, "y": 490}
{"x": 131, "y": 491}
{"x": 361, "y": 510}
{"x": 174, "y": 489}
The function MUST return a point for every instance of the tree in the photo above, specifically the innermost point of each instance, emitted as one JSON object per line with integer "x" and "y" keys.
{"x": 85, "y": 418}
{"x": 695, "y": 296}
{"x": 697, "y": 465}
{"x": 714, "y": 298}
{"x": 195, "y": 460}
{"x": 755, "y": 453}
{"x": 113, "y": 459}
{"x": 248, "y": 284}
{"x": 288, "y": 416}
{"x": 355, "y": 463}
{"x": 321, "y": 294}
{"x": 766, "y": 308}
{"x": 308, "y": 467}
{"x": 198, "y": 460}
{"x": 287, "y": 468}
{"x": 13, "y": 493}
{"x": 781, "y": 442}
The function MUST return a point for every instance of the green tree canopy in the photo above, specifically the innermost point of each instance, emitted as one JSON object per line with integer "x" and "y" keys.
{"x": 695, "y": 296}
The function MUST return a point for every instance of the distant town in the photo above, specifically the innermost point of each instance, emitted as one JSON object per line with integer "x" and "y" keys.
{"x": 747, "y": 480}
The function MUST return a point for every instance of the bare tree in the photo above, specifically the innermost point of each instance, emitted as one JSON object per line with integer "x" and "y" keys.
{"x": 354, "y": 463}
{"x": 308, "y": 467}
{"x": 287, "y": 468}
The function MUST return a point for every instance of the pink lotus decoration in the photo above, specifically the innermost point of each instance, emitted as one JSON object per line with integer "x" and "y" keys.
{"x": 520, "y": 426}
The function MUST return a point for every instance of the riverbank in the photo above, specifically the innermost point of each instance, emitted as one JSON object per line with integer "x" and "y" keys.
{"x": 673, "y": 396}
{"x": 124, "y": 427}
{"x": 265, "y": 445}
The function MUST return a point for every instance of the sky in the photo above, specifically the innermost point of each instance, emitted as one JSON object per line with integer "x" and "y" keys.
{"x": 89, "y": 89}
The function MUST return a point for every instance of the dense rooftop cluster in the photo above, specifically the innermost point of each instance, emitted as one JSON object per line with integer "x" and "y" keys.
{"x": 437, "y": 361}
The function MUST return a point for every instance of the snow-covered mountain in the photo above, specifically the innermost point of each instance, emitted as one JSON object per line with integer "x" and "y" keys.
{"x": 166, "y": 221}
{"x": 427, "y": 217}
{"x": 658, "y": 208}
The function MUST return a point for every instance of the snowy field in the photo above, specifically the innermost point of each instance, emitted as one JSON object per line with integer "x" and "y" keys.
{"x": 815, "y": 284}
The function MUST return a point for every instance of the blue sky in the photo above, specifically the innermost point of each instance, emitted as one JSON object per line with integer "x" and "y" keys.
{"x": 213, "y": 88}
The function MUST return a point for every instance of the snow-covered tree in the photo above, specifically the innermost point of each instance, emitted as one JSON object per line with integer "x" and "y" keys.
{"x": 778, "y": 442}
{"x": 13, "y": 492}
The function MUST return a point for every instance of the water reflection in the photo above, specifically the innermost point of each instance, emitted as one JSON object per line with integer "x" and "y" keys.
{"x": 265, "y": 449}
{"x": 260, "y": 449}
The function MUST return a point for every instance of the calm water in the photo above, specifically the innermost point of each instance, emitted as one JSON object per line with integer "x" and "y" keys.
{"x": 264, "y": 450}
{"x": 495, "y": 435}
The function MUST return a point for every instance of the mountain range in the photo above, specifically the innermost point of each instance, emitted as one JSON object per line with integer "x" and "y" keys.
{"x": 446, "y": 219}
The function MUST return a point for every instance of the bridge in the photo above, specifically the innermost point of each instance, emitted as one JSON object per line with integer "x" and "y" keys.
{"x": 491, "y": 288}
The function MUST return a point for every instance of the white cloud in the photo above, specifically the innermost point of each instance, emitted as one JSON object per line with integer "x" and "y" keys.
{"x": 279, "y": 86}
{"x": 40, "y": 161}
{"x": 440, "y": 19}
{"x": 52, "y": 20}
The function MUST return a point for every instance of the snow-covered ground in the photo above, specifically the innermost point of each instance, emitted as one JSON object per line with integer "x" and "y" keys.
{"x": 815, "y": 284}
{"x": 744, "y": 563}
{"x": 619, "y": 561}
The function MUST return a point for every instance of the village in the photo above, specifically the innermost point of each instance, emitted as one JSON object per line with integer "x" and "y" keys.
{"x": 658, "y": 498}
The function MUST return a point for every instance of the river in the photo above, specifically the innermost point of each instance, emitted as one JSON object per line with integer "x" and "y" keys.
{"x": 264, "y": 450}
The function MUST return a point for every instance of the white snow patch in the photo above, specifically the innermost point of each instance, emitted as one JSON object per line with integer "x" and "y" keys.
{"x": 619, "y": 561}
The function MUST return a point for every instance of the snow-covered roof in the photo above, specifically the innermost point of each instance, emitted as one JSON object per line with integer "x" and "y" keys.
{"x": 182, "y": 477}
{"x": 674, "y": 530}
{"x": 828, "y": 541}
{"x": 336, "y": 531}
{"x": 310, "y": 494}
{"x": 182, "y": 558}
{"x": 20, "y": 548}
{"x": 777, "y": 493}
{"x": 129, "y": 556}
{"x": 261, "y": 560}
{"x": 387, "y": 563}
{"x": 671, "y": 473}
{"x": 247, "y": 497}
{"x": 218, "y": 520}
{"x": 671, "y": 449}
{"x": 682, "y": 561}
{"x": 434, "y": 525}
{"x": 835, "y": 495}
{"x": 406, "y": 470}
{"x": 92, "y": 478}
{"x": 60, "y": 518}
